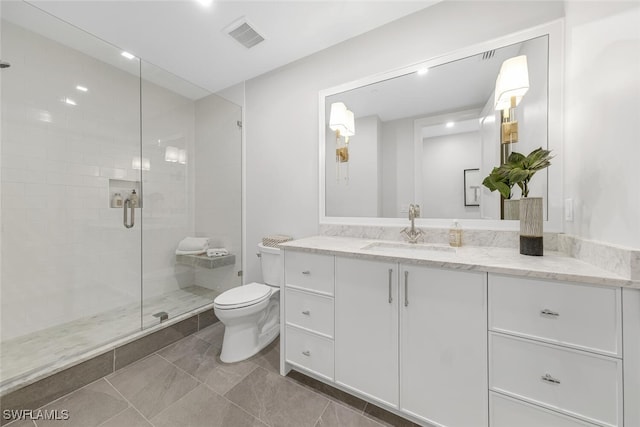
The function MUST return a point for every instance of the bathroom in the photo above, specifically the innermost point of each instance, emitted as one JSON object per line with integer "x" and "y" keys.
{"x": 266, "y": 180}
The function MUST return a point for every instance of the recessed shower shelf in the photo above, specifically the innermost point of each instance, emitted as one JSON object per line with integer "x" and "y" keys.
{"x": 205, "y": 261}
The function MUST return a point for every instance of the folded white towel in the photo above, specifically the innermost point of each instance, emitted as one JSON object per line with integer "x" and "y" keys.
{"x": 194, "y": 244}
{"x": 217, "y": 252}
{"x": 199, "y": 252}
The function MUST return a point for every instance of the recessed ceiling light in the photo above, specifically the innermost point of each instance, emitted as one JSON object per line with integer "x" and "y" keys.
{"x": 450, "y": 124}
{"x": 422, "y": 71}
{"x": 69, "y": 101}
{"x": 82, "y": 88}
{"x": 205, "y": 3}
{"x": 127, "y": 55}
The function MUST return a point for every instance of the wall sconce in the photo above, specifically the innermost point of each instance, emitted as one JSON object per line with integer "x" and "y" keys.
{"x": 182, "y": 157}
{"x": 342, "y": 122}
{"x": 511, "y": 85}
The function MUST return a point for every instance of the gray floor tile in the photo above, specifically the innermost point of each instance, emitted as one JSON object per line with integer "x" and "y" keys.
{"x": 202, "y": 407}
{"x": 212, "y": 334}
{"x": 328, "y": 391}
{"x": 269, "y": 357}
{"x": 152, "y": 384}
{"x": 88, "y": 406}
{"x": 337, "y": 415}
{"x": 202, "y": 360}
{"x": 386, "y": 418}
{"x": 128, "y": 418}
{"x": 276, "y": 400}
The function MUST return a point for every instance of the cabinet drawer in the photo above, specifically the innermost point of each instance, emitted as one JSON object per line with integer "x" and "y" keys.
{"x": 309, "y": 311}
{"x": 582, "y": 384}
{"x": 581, "y": 316}
{"x": 309, "y": 351}
{"x": 309, "y": 271}
{"x": 508, "y": 412}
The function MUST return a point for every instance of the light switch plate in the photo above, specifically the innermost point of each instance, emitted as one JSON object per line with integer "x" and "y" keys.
{"x": 568, "y": 209}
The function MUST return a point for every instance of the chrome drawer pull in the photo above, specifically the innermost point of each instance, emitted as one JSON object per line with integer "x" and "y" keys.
{"x": 390, "y": 297}
{"x": 548, "y": 378}
{"x": 306, "y": 272}
{"x": 306, "y": 353}
{"x": 306, "y": 312}
{"x": 547, "y": 312}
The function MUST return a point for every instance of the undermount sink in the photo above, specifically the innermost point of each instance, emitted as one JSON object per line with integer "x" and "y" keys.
{"x": 408, "y": 247}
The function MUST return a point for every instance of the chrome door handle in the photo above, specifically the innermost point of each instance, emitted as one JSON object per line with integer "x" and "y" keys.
{"x": 406, "y": 288}
{"x": 306, "y": 353}
{"x": 390, "y": 296}
{"x": 306, "y": 313}
{"x": 306, "y": 272}
{"x": 547, "y": 312}
{"x": 548, "y": 378}
{"x": 133, "y": 214}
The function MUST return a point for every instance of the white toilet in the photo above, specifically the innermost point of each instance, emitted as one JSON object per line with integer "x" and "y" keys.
{"x": 251, "y": 313}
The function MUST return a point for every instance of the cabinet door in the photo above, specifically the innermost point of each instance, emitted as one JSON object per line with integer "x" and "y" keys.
{"x": 366, "y": 328}
{"x": 443, "y": 346}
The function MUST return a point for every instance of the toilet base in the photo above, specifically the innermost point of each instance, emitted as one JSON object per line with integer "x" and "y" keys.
{"x": 241, "y": 345}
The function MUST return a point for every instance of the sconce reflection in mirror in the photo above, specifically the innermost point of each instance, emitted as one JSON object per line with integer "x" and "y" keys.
{"x": 341, "y": 121}
{"x": 511, "y": 85}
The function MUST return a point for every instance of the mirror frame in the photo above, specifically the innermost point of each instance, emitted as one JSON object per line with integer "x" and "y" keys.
{"x": 554, "y": 222}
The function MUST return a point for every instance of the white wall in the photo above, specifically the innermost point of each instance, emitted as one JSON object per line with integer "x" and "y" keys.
{"x": 218, "y": 186}
{"x": 356, "y": 192}
{"x": 282, "y": 156}
{"x": 602, "y": 120}
{"x": 443, "y": 185}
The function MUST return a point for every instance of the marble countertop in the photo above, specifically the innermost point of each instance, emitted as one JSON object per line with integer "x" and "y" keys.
{"x": 552, "y": 266}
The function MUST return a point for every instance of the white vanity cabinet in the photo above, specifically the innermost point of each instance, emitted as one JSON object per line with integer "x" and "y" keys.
{"x": 443, "y": 345}
{"x": 366, "y": 339}
{"x": 556, "y": 346}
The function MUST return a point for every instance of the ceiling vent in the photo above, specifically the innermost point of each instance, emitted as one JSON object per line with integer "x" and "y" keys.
{"x": 488, "y": 55}
{"x": 244, "y": 34}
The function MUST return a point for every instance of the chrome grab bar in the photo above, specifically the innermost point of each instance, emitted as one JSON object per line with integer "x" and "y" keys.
{"x": 133, "y": 214}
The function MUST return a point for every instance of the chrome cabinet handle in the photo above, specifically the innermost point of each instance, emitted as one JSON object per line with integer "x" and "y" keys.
{"x": 406, "y": 288}
{"x": 547, "y": 312}
{"x": 306, "y": 312}
{"x": 306, "y": 272}
{"x": 548, "y": 378}
{"x": 133, "y": 214}
{"x": 390, "y": 297}
{"x": 306, "y": 353}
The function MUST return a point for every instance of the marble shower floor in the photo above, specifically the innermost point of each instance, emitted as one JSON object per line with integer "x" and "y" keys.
{"x": 23, "y": 355}
{"x": 186, "y": 384}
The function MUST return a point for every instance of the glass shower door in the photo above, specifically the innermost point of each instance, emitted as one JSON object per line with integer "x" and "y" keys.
{"x": 191, "y": 157}
{"x": 71, "y": 271}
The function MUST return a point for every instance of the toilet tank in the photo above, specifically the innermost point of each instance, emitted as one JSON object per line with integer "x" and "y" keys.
{"x": 271, "y": 267}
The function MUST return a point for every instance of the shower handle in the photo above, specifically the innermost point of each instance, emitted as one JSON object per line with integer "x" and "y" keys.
{"x": 133, "y": 214}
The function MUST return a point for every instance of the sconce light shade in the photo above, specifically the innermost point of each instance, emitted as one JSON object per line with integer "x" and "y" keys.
{"x": 512, "y": 82}
{"x": 341, "y": 120}
{"x": 171, "y": 154}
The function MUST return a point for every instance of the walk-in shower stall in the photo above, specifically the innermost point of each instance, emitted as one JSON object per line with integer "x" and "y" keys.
{"x": 84, "y": 125}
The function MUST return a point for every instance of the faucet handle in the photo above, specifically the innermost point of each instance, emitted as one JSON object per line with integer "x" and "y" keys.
{"x": 416, "y": 211}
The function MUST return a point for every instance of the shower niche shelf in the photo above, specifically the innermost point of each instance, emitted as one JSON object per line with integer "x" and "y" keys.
{"x": 124, "y": 187}
{"x": 205, "y": 261}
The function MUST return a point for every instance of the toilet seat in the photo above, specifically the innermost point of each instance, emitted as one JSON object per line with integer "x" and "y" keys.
{"x": 242, "y": 296}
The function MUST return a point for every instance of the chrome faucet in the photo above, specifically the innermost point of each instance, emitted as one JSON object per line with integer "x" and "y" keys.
{"x": 412, "y": 233}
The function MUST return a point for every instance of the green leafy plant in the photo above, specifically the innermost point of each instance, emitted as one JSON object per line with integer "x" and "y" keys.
{"x": 518, "y": 170}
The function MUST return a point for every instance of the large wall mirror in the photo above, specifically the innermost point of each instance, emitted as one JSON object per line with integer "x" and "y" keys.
{"x": 428, "y": 134}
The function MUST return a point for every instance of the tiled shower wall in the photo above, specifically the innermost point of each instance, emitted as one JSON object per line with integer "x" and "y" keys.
{"x": 65, "y": 252}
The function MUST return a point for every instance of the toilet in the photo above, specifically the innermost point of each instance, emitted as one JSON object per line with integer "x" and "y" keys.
{"x": 251, "y": 313}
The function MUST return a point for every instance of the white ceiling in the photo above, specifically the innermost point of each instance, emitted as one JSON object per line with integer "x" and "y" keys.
{"x": 188, "y": 40}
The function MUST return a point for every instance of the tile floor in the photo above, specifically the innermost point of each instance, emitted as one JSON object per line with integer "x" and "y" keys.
{"x": 26, "y": 354}
{"x": 185, "y": 384}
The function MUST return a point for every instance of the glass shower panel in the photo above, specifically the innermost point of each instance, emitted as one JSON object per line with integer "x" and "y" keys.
{"x": 70, "y": 273}
{"x": 191, "y": 166}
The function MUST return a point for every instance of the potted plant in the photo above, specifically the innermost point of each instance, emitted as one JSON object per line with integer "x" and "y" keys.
{"x": 499, "y": 180}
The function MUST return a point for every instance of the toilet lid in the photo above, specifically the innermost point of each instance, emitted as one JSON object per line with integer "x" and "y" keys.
{"x": 249, "y": 294}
